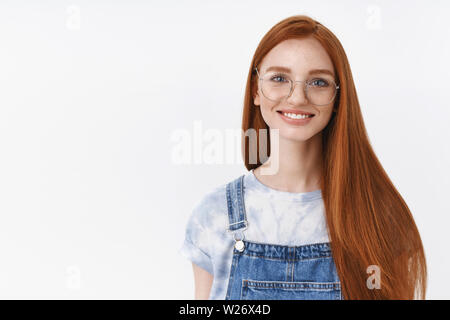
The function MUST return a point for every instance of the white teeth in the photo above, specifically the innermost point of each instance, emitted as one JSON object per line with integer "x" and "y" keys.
{"x": 296, "y": 116}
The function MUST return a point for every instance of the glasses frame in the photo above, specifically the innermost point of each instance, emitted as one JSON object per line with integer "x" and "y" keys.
{"x": 304, "y": 90}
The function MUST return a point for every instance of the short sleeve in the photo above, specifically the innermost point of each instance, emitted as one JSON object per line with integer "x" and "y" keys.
{"x": 197, "y": 239}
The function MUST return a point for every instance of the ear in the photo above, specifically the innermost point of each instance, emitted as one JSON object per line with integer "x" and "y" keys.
{"x": 256, "y": 100}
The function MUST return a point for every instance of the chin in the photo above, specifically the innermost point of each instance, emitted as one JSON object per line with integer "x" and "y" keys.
{"x": 296, "y": 139}
{"x": 295, "y": 136}
{"x": 292, "y": 133}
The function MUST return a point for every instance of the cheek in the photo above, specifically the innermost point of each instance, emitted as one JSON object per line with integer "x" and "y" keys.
{"x": 269, "y": 114}
{"x": 322, "y": 121}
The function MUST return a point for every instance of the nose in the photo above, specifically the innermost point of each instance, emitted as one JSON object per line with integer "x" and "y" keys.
{"x": 298, "y": 96}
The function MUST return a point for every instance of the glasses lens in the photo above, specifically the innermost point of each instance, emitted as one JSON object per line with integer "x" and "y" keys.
{"x": 275, "y": 87}
{"x": 318, "y": 91}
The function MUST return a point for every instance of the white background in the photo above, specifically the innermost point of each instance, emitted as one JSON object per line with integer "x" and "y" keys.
{"x": 92, "y": 203}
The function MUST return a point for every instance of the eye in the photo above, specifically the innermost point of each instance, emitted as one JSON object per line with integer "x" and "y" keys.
{"x": 319, "y": 83}
{"x": 278, "y": 76}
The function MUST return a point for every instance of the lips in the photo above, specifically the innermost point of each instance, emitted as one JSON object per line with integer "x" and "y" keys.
{"x": 301, "y": 121}
{"x": 295, "y": 111}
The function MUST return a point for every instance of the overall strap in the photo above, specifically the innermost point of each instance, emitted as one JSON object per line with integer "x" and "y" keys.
{"x": 235, "y": 201}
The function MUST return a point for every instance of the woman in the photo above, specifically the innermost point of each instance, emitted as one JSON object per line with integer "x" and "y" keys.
{"x": 319, "y": 218}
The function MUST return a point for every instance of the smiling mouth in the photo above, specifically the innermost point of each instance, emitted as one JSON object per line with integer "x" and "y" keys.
{"x": 295, "y": 116}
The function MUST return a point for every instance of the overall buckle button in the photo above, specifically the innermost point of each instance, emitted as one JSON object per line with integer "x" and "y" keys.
{"x": 239, "y": 245}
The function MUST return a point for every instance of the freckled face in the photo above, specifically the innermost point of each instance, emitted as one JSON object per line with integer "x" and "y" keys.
{"x": 300, "y": 56}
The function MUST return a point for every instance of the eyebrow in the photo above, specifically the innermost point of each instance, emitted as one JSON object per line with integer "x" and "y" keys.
{"x": 313, "y": 71}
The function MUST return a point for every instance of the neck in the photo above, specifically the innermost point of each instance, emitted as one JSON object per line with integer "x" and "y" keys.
{"x": 299, "y": 165}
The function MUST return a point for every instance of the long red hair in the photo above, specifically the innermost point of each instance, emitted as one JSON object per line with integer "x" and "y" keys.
{"x": 368, "y": 221}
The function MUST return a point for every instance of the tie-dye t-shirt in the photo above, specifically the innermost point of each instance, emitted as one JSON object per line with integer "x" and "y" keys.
{"x": 274, "y": 217}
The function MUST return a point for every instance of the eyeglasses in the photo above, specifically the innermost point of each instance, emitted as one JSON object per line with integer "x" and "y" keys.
{"x": 277, "y": 87}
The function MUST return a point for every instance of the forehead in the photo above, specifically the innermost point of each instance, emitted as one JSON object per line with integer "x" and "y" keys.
{"x": 299, "y": 55}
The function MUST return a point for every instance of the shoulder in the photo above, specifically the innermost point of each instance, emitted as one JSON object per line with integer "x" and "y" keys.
{"x": 211, "y": 210}
{"x": 206, "y": 228}
{"x": 210, "y": 206}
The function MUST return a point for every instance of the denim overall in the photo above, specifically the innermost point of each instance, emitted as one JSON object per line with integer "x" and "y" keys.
{"x": 275, "y": 272}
